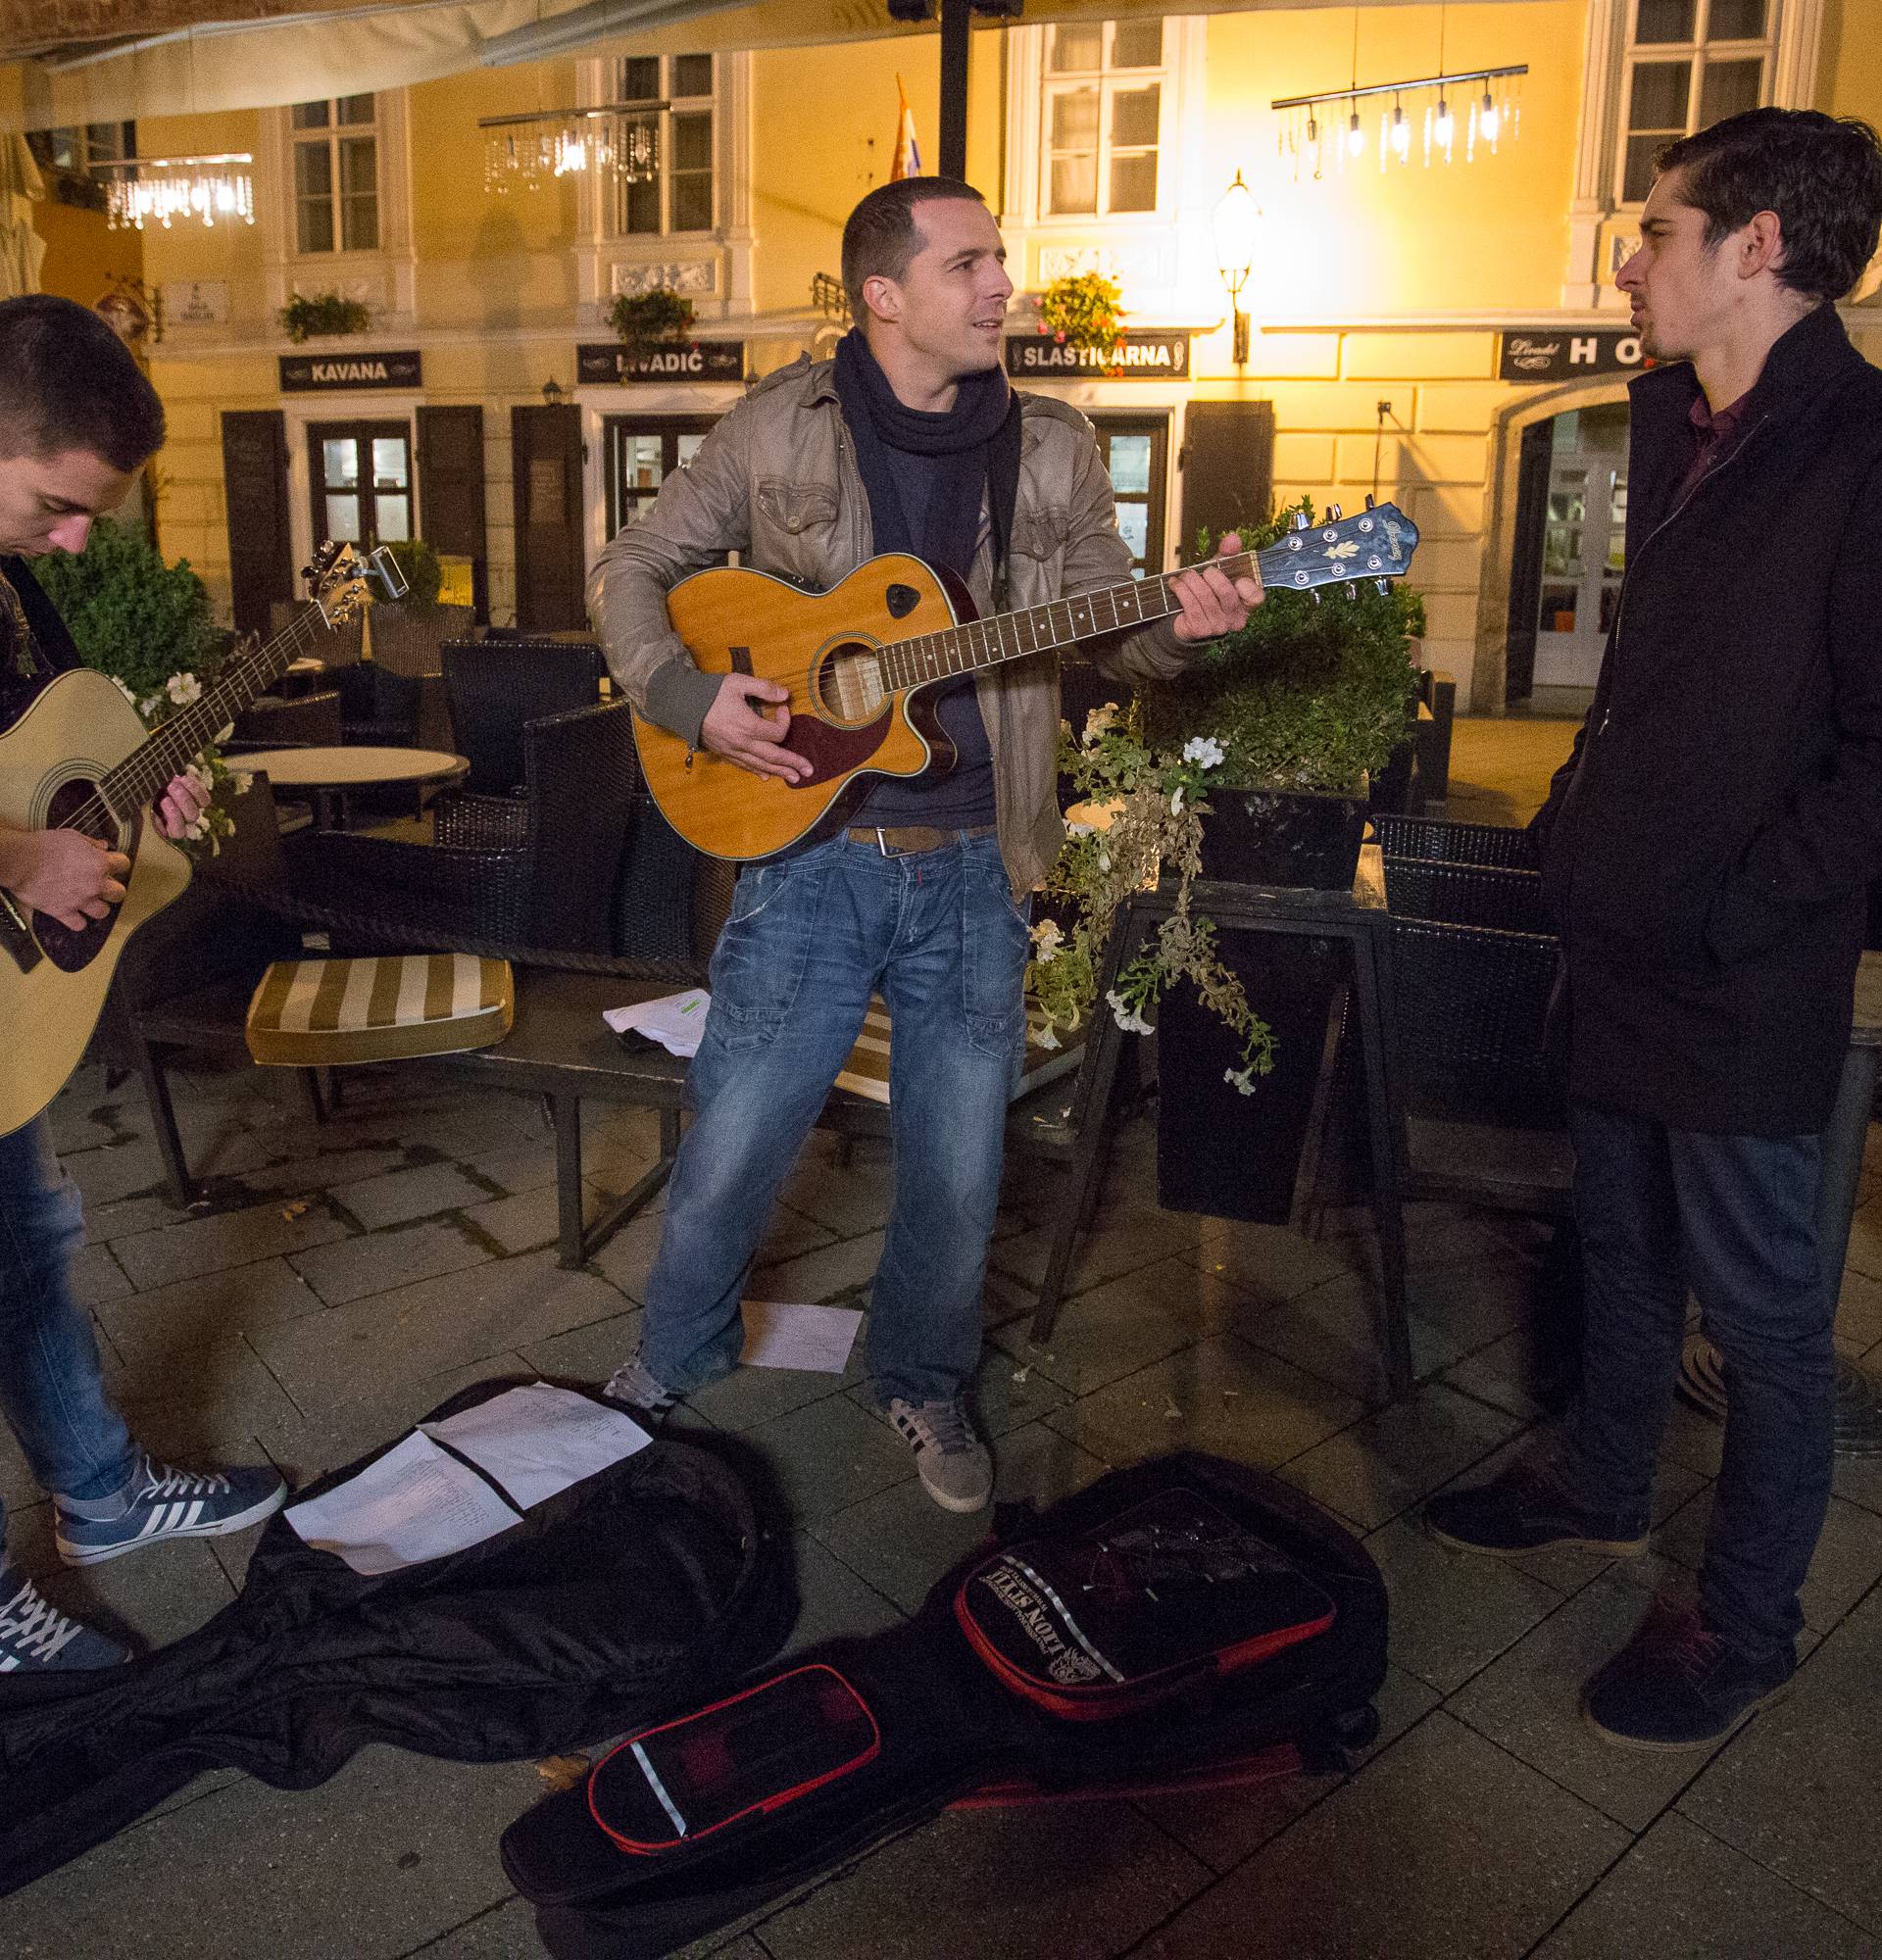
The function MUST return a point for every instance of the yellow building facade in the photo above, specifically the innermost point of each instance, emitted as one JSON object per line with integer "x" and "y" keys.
{"x": 1388, "y": 304}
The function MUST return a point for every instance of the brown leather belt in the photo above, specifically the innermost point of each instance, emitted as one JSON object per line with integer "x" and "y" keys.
{"x": 905, "y": 840}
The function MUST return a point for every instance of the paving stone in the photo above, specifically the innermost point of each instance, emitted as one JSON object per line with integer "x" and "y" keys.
{"x": 95, "y": 1276}
{"x": 629, "y": 1256}
{"x": 1858, "y": 1312}
{"x": 130, "y": 1167}
{"x": 830, "y": 1455}
{"x": 904, "y": 1540}
{"x": 589, "y": 1353}
{"x": 526, "y": 1220}
{"x": 400, "y": 1195}
{"x": 521, "y": 1168}
{"x": 132, "y": 1218}
{"x": 423, "y": 1330}
{"x": 1375, "y": 1469}
{"x": 1122, "y": 1238}
{"x": 394, "y": 1846}
{"x": 748, "y": 1398}
{"x": 1225, "y": 1827}
{"x": 983, "y": 1882}
{"x": 849, "y": 1200}
{"x": 1333, "y": 1331}
{"x": 204, "y": 1405}
{"x": 1451, "y": 1615}
{"x": 1846, "y": 1562}
{"x": 146, "y": 1598}
{"x": 835, "y": 1602}
{"x": 1795, "y": 1792}
{"x": 1857, "y": 1480}
{"x": 377, "y": 1262}
{"x": 1270, "y": 1262}
{"x": 1530, "y": 1701}
{"x": 320, "y": 1171}
{"x": 232, "y": 1239}
{"x": 1680, "y": 1892}
{"x": 1502, "y": 1374}
{"x": 1219, "y": 1394}
{"x": 835, "y": 1270}
{"x": 1441, "y": 1846}
{"x": 148, "y": 1327}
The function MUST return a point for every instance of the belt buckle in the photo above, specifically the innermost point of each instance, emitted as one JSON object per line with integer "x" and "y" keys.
{"x": 882, "y": 843}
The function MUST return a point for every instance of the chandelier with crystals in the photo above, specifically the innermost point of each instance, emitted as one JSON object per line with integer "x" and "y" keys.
{"x": 160, "y": 190}
{"x": 618, "y": 139}
{"x": 1487, "y": 114}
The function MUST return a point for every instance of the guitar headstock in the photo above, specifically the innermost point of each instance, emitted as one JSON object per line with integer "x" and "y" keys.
{"x": 337, "y": 582}
{"x": 1376, "y": 543}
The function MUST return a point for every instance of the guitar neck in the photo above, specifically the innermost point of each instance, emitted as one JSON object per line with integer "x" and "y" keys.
{"x": 143, "y": 774}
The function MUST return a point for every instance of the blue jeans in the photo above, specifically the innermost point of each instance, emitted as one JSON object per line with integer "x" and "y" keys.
{"x": 52, "y": 1387}
{"x": 939, "y": 937}
{"x": 1734, "y": 1219}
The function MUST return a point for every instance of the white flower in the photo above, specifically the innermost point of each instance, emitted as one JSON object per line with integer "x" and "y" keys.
{"x": 1047, "y": 939}
{"x": 149, "y": 705}
{"x": 1045, "y": 1038}
{"x": 1080, "y": 829}
{"x": 199, "y": 774}
{"x": 1204, "y": 751}
{"x": 1099, "y": 722}
{"x": 1104, "y": 861}
{"x": 123, "y": 690}
{"x": 1242, "y": 1078}
{"x": 183, "y": 688}
{"x": 1177, "y": 801}
{"x": 1127, "y": 1016}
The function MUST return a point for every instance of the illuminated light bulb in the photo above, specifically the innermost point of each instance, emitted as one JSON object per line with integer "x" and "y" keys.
{"x": 1488, "y": 123}
{"x": 1400, "y": 133}
{"x": 1443, "y": 128}
{"x": 1354, "y": 135}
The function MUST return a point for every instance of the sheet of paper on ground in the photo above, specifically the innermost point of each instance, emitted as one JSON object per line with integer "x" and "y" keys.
{"x": 778, "y": 1335}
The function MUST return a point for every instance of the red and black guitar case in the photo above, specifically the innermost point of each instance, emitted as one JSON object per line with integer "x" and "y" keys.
{"x": 1184, "y": 1624}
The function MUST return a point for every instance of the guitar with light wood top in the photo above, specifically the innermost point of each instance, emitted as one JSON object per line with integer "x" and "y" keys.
{"x": 860, "y": 659}
{"x": 79, "y": 757}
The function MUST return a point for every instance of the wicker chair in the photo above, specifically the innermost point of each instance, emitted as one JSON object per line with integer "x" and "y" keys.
{"x": 494, "y": 690}
{"x": 536, "y": 870}
{"x": 408, "y": 641}
{"x": 309, "y": 719}
{"x": 1438, "y": 841}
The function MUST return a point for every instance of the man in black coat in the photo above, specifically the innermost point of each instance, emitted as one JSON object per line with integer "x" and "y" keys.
{"x": 1706, "y": 850}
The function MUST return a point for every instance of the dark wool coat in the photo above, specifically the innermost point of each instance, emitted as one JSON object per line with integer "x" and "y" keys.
{"x": 1706, "y": 846}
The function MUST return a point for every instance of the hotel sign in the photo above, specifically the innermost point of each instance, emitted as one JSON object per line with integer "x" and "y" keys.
{"x": 1140, "y": 357}
{"x": 310, "y": 374}
{"x": 1562, "y": 353}
{"x": 689, "y": 360}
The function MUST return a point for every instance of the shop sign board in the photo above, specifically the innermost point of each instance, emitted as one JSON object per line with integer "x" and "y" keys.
{"x": 1563, "y": 353}
{"x": 341, "y": 373}
{"x": 1140, "y": 357}
{"x": 685, "y": 361}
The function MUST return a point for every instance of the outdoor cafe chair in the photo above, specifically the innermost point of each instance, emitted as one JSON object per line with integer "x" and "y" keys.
{"x": 495, "y": 688}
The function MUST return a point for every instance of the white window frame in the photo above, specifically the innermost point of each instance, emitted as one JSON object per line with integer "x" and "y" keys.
{"x": 1698, "y": 53}
{"x": 617, "y": 192}
{"x": 329, "y": 135}
{"x": 1111, "y": 81}
{"x": 1796, "y": 33}
{"x": 384, "y": 279}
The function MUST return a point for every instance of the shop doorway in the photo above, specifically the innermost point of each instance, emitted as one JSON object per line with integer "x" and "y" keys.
{"x": 362, "y": 482}
{"x": 1570, "y": 549}
{"x": 639, "y": 453}
{"x": 1136, "y": 453}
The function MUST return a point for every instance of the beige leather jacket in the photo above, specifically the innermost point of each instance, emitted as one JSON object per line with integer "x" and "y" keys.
{"x": 777, "y": 482}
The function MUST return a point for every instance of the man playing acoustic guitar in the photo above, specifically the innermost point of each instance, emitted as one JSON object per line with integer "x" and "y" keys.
{"x": 910, "y": 440}
{"x": 78, "y": 420}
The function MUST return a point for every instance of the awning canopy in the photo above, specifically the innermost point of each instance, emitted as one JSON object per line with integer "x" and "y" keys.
{"x": 173, "y": 57}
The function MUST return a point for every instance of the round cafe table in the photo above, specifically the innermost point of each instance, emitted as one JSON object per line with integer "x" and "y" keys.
{"x": 331, "y": 773}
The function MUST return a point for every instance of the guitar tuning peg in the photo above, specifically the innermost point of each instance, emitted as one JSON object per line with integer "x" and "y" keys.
{"x": 1334, "y": 511}
{"x": 1384, "y": 584}
{"x": 1369, "y": 502}
{"x": 1300, "y": 521}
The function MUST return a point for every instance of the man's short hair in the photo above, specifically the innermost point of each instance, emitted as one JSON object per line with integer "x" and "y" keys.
{"x": 67, "y": 381}
{"x": 882, "y": 234}
{"x": 1822, "y": 175}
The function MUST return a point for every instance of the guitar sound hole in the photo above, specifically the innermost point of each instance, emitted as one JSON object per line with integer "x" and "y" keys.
{"x": 848, "y": 684}
{"x": 71, "y": 952}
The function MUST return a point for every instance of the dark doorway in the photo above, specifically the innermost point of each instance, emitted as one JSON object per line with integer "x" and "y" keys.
{"x": 260, "y": 555}
{"x": 545, "y": 449}
{"x": 1228, "y": 462}
{"x": 451, "y": 471}
{"x": 1136, "y": 453}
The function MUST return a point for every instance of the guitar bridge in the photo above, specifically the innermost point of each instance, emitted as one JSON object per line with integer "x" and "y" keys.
{"x": 16, "y": 934}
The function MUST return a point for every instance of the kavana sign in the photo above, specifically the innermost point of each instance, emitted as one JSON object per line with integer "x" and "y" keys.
{"x": 1561, "y": 353}
{"x": 309, "y": 374}
{"x": 1140, "y": 357}
{"x": 685, "y": 361}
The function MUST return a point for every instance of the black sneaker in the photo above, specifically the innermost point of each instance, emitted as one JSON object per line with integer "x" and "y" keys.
{"x": 1678, "y": 1685}
{"x": 1525, "y": 1509}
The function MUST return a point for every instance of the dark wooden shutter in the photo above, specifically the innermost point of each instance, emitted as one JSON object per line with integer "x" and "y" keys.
{"x": 1227, "y": 463}
{"x": 451, "y": 491}
{"x": 261, "y": 553}
{"x": 545, "y": 449}
{"x": 1525, "y": 559}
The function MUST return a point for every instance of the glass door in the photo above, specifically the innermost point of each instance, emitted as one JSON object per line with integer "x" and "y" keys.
{"x": 641, "y": 452}
{"x": 362, "y": 482}
{"x": 1583, "y": 547}
{"x": 1136, "y": 453}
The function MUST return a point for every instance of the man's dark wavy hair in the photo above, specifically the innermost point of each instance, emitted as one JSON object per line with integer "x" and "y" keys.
{"x": 67, "y": 381}
{"x": 882, "y": 234}
{"x": 1822, "y": 175}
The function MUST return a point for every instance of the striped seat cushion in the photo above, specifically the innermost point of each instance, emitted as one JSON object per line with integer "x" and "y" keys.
{"x": 310, "y": 1013}
{"x": 866, "y": 1072}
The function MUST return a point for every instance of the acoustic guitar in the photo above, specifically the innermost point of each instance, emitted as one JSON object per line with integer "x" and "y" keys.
{"x": 858, "y": 659}
{"x": 79, "y": 757}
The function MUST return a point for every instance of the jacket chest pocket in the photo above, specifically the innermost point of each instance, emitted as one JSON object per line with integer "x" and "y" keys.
{"x": 796, "y": 507}
{"x": 1040, "y": 533}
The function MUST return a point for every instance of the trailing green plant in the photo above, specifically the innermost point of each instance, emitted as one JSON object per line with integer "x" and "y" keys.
{"x": 149, "y": 627}
{"x": 1084, "y": 309}
{"x": 656, "y": 318}
{"x": 1303, "y": 697}
{"x": 1154, "y": 806}
{"x": 424, "y": 574}
{"x": 309, "y": 314}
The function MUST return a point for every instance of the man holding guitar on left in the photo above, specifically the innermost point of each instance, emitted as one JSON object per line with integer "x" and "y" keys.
{"x": 78, "y": 420}
{"x": 910, "y": 441}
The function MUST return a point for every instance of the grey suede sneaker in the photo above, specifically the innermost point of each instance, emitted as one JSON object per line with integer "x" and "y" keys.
{"x": 633, "y": 1385}
{"x": 955, "y": 1466}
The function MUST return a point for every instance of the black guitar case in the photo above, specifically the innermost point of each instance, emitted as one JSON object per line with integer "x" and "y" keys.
{"x": 659, "y": 1580}
{"x": 1183, "y": 1624}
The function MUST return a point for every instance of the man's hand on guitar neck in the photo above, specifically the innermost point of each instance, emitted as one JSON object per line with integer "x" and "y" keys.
{"x": 1213, "y": 604}
{"x": 73, "y": 877}
{"x": 736, "y": 728}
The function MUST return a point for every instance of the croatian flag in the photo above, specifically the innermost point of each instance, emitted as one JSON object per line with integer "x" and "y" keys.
{"x": 908, "y": 152}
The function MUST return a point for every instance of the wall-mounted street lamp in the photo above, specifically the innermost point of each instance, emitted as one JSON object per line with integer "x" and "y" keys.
{"x": 552, "y": 393}
{"x": 1236, "y": 226}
